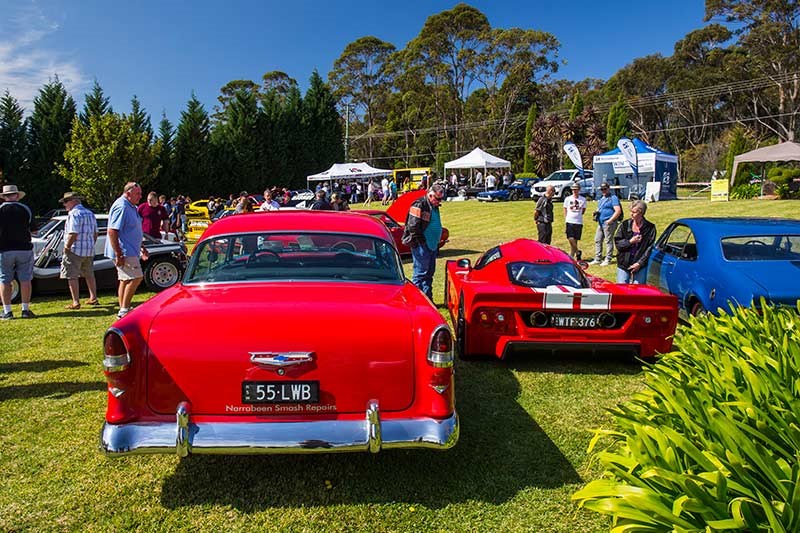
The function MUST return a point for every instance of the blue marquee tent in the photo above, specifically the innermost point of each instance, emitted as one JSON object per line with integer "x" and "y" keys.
{"x": 654, "y": 165}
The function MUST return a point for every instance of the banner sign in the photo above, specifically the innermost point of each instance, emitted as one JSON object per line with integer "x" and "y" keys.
{"x": 719, "y": 190}
{"x": 574, "y": 155}
{"x": 629, "y": 151}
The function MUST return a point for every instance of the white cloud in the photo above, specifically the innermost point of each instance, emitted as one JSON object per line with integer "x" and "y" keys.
{"x": 26, "y": 64}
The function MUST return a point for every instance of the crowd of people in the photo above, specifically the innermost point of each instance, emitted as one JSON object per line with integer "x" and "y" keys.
{"x": 633, "y": 238}
{"x": 129, "y": 220}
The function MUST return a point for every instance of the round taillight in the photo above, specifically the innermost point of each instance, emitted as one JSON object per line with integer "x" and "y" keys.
{"x": 500, "y": 317}
{"x": 538, "y": 319}
{"x": 607, "y": 320}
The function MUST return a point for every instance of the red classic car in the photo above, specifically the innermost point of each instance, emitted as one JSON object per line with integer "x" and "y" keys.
{"x": 283, "y": 338}
{"x": 396, "y": 229}
{"x": 527, "y": 296}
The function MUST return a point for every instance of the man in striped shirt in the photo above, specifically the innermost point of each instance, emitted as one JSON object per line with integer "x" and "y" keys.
{"x": 80, "y": 235}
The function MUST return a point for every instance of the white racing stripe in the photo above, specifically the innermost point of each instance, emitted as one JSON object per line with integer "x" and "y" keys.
{"x": 563, "y": 297}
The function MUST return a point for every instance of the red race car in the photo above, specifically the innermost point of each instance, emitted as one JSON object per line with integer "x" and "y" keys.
{"x": 292, "y": 332}
{"x": 527, "y": 296}
{"x": 396, "y": 229}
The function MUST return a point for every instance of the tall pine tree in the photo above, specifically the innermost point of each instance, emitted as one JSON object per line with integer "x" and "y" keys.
{"x": 322, "y": 126}
{"x": 617, "y": 124}
{"x": 166, "y": 139}
{"x": 528, "y": 165}
{"x": 13, "y": 140}
{"x": 191, "y": 169}
{"x": 48, "y": 133}
{"x": 97, "y": 104}
{"x": 140, "y": 119}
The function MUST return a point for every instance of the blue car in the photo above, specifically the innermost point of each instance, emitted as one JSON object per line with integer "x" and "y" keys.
{"x": 518, "y": 190}
{"x": 712, "y": 264}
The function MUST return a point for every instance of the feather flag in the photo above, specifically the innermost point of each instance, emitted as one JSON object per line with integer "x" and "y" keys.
{"x": 574, "y": 155}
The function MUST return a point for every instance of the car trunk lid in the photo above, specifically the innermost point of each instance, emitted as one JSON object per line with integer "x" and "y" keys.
{"x": 353, "y": 340}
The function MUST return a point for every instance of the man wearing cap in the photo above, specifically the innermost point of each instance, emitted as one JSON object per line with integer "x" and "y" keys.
{"x": 16, "y": 250}
{"x": 422, "y": 233}
{"x": 80, "y": 235}
{"x": 124, "y": 244}
{"x": 608, "y": 215}
{"x": 574, "y": 208}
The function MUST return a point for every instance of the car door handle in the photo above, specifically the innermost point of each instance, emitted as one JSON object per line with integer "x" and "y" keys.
{"x": 282, "y": 359}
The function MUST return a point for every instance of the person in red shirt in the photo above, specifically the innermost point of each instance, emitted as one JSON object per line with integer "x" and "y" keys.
{"x": 153, "y": 216}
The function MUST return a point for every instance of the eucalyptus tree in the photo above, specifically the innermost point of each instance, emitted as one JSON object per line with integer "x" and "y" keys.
{"x": 96, "y": 104}
{"x": 49, "y": 128}
{"x": 278, "y": 83}
{"x": 101, "y": 157}
{"x": 769, "y": 31}
{"x": 513, "y": 62}
{"x": 645, "y": 83}
{"x": 361, "y": 76}
{"x": 448, "y": 51}
{"x": 13, "y": 140}
{"x": 192, "y": 165}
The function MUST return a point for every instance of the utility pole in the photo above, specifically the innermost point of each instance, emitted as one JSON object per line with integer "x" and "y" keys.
{"x": 347, "y": 132}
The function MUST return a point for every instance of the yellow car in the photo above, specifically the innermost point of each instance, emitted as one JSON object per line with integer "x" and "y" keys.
{"x": 197, "y": 209}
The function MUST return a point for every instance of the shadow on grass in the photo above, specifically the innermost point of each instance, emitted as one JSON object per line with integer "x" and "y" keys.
{"x": 85, "y": 311}
{"x": 456, "y": 252}
{"x": 502, "y": 451}
{"x": 52, "y": 391}
{"x": 574, "y": 363}
{"x": 38, "y": 366}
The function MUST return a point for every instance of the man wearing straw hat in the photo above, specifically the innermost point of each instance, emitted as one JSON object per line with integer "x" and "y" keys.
{"x": 80, "y": 235}
{"x": 16, "y": 250}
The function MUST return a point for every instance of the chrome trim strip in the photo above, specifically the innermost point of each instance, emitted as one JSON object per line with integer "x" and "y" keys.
{"x": 281, "y": 359}
{"x": 374, "y": 426}
{"x": 249, "y": 438}
{"x": 182, "y": 444}
{"x": 116, "y": 392}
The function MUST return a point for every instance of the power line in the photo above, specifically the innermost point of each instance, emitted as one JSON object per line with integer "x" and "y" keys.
{"x": 635, "y": 102}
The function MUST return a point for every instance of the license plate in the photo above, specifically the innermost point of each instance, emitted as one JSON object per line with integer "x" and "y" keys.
{"x": 574, "y": 321}
{"x": 280, "y": 392}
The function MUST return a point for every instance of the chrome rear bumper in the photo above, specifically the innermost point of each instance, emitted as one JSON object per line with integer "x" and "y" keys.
{"x": 252, "y": 438}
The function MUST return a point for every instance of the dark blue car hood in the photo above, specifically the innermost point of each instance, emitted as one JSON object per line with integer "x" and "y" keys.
{"x": 777, "y": 280}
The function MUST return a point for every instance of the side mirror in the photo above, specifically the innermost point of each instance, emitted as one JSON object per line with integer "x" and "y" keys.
{"x": 464, "y": 263}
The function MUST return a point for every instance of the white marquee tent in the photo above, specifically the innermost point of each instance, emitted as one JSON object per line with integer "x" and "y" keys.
{"x": 348, "y": 171}
{"x": 478, "y": 159}
{"x": 786, "y": 151}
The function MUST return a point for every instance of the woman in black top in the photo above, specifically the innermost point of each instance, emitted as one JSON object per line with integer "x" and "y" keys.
{"x": 634, "y": 240}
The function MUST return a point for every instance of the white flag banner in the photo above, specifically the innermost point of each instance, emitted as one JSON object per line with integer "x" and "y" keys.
{"x": 574, "y": 155}
{"x": 629, "y": 151}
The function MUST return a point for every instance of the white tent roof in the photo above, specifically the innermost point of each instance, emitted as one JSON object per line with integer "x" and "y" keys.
{"x": 478, "y": 159}
{"x": 349, "y": 170}
{"x": 787, "y": 151}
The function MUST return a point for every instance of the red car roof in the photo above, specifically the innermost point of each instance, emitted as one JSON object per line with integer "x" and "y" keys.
{"x": 301, "y": 221}
{"x": 530, "y": 250}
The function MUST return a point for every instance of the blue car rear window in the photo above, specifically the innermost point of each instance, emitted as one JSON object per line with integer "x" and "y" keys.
{"x": 762, "y": 248}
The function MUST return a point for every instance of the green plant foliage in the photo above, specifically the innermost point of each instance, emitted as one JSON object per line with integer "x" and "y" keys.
{"x": 713, "y": 441}
{"x": 746, "y": 191}
{"x": 527, "y": 175}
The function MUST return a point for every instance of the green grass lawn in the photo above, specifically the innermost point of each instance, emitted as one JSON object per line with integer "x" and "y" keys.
{"x": 522, "y": 453}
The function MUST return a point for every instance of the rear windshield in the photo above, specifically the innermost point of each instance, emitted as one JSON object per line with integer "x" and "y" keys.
{"x": 762, "y": 248}
{"x": 543, "y": 275}
{"x": 294, "y": 256}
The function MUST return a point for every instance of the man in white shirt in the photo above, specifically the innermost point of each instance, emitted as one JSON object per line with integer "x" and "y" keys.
{"x": 574, "y": 208}
{"x": 479, "y": 179}
{"x": 385, "y": 191}
{"x": 491, "y": 181}
{"x": 269, "y": 204}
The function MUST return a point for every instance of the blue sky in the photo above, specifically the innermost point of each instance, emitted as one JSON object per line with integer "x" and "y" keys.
{"x": 161, "y": 51}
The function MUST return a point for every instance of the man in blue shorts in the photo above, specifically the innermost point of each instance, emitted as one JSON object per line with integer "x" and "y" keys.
{"x": 124, "y": 244}
{"x": 16, "y": 250}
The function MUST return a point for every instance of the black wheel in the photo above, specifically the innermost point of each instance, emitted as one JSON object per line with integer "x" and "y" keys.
{"x": 161, "y": 273}
{"x": 697, "y": 309}
{"x": 515, "y": 196}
